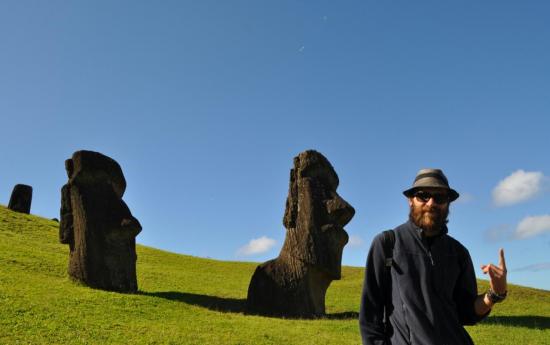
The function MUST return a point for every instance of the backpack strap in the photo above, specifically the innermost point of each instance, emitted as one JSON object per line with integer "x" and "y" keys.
{"x": 388, "y": 242}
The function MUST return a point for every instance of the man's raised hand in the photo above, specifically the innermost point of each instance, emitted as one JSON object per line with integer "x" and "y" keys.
{"x": 497, "y": 274}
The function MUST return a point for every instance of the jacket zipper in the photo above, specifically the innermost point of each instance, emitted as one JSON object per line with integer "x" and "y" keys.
{"x": 431, "y": 258}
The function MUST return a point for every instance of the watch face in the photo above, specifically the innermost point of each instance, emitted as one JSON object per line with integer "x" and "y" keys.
{"x": 494, "y": 297}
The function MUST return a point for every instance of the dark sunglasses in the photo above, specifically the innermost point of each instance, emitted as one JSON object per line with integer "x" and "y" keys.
{"x": 426, "y": 196}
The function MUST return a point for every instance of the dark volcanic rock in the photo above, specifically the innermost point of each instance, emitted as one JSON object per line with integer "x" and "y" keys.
{"x": 21, "y": 198}
{"x": 97, "y": 224}
{"x": 294, "y": 284}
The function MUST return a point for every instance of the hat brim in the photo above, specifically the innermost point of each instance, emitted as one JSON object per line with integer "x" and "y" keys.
{"x": 453, "y": 194}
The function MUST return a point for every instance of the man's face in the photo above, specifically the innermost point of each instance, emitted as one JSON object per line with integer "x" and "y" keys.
{"x": 429, "y": 209}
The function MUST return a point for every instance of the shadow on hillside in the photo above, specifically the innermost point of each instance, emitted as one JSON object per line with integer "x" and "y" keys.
{"x": 347, "y": 315}
{"x": 231, "y": 305}
{"x": 538, "y": 322}
{"x": 227, "y": 305}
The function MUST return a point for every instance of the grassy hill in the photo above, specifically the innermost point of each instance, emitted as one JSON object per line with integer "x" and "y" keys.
{"x": 189, "y": 300}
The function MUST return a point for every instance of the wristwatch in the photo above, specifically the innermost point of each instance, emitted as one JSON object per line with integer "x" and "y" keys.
{"x": 495, "y": 297}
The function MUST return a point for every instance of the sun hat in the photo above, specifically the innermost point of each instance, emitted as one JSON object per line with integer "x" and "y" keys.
{"x": 431, "y": 178}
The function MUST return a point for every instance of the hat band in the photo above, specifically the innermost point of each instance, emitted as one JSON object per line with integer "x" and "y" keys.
{"x": 434, "y": 175}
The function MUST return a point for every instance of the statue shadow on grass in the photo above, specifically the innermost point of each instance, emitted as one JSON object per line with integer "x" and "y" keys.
{"x": 223, "y": 304}
{"x": 227, "y": 305}
{"x": 535, "y": 322}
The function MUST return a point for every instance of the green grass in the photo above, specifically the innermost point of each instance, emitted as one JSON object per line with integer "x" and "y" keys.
{"x": 189, "y": 300}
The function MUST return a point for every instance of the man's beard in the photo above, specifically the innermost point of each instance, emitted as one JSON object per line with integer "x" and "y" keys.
{"x": 429, "y": 219}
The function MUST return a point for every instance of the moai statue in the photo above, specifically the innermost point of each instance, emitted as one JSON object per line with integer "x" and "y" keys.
{"x": 294, "y": 284}
{"x": 21, "y": 198}
{"x": 97, "y": 224}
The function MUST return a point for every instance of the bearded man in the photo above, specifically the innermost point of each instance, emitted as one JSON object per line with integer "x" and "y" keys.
{"x": 420, "y": 286}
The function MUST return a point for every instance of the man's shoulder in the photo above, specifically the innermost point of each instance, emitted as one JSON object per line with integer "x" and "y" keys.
{"x": 381, "y": 238}
{"x": 406, "y": 229}
{"x": 403, "y": 226}
{"x": 456, "y": 244}
{"x": 398, "y": 229}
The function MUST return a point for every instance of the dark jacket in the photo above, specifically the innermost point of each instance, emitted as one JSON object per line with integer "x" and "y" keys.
{"x": 432, "y": 294}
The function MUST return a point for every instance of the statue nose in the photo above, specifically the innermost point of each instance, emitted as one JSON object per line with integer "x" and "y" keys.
{"x": 339, "y": 210}
{"x": 131, "y": 225}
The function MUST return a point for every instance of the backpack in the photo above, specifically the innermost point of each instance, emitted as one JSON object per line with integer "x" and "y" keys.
{"x": 388, "y": 242}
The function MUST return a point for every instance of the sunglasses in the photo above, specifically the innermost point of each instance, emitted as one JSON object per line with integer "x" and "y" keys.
{"x": 426, "y": 196}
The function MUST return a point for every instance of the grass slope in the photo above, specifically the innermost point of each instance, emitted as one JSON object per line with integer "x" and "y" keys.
{"x": 189, "y": 300}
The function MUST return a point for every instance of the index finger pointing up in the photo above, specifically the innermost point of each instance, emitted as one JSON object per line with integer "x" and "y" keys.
{"x": 501, "y": 261}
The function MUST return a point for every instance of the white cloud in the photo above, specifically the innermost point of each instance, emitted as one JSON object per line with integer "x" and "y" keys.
{"x": 532, "y": 226}
{"x": 355, "y": 241}
{"x": 257, "y": 246}
{"x": 519, "y": 186}
{"x": 543, "y": 266}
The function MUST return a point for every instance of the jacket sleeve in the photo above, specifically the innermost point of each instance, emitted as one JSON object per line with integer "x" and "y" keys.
{"x": 371, "y": 314}
{"x": 465, "y": 293}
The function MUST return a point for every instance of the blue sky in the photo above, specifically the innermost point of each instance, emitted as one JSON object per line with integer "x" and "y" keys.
{"x": 205, "y": 103}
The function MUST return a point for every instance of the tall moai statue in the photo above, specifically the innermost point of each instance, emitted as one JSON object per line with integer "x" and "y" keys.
{"x": 21, "y": 198}
{"x": 97, "y": 224}
{"x": 294, "y": 284}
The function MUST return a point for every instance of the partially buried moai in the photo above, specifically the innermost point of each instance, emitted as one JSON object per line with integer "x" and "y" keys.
{"x": 21, "y": 198}
{"x": 294, "y": 284}
{"x": 97, "y": 224}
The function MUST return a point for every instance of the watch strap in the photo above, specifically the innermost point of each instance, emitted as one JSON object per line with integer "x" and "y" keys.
{"x": 495, "y": 297}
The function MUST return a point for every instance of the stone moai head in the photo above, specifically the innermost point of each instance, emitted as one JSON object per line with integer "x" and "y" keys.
{"x": 21, "y": 198}
{"x": 97, "y": 224}
{"x": 295, "y": 283}
{"x": 315, "y": 215}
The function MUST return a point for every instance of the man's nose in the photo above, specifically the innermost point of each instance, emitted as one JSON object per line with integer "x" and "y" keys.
{"x": 430, "y": 201}
{"x": 339, "y": 210}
